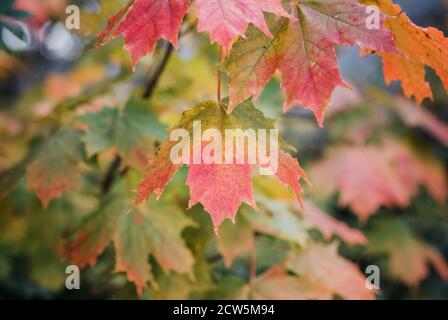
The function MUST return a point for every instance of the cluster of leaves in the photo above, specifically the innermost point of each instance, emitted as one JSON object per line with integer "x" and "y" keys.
{"x": 298, "y": 39}
{"x": 379, "y": 172}
{"x": 86, "y": 148}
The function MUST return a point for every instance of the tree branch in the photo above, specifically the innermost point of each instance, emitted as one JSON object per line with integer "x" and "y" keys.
{"x": 157, "y": 73}
{"x": 110, "y": 175}
{"x": 154, "y": 76}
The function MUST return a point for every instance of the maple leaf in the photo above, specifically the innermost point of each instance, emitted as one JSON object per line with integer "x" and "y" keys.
{"x": 132, "y": 131}
{"x": 278, "y": 217}
{"x": 322, "y": 265}
{"x": 385, "y": 175}
{"x": 108, "y": 33}
{"x": 274, "y": 219}
{"x": 161, "y": 169}
{"x": 410, "y": 72}
{"x": 55, "y": 168}
{"x": 225, "y": 20}
{"x": 303, "y": 50}
{"x": 176, "y": 286}
{"x": 419, "y": 47}
{"x": 274, "y": 284}
{"x": 415, "y": 116}
{"x": 408, "y": 256}
{"x": 143, "y": 22}
{"x": 425, "y": 171}
{"x": 277, "y": 284}
{"x": 344, "y": 22}
{"x": 278, "y": 220}
{"x": 221, "y": 188}
{"x": 309, "y": 69}
{"x": 234, "y": 239}
{"x": 148, "y": 230}
{"x": 366, "y": 188}
{"x": 281, "y": 220}
{"x": 330, "y": 226}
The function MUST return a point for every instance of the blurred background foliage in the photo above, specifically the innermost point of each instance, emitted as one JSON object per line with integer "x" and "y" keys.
{"x": 54, "y": 86}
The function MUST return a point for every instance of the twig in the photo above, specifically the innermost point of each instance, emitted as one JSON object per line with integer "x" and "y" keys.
{"x": 110, "y": 175}
{"x": 155, "y": 76}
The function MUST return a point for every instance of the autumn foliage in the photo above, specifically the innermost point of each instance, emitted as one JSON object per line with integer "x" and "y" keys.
{"x": 86, "y": 175}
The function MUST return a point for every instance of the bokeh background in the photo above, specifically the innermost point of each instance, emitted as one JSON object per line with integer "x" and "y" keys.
{"x": 391, "y": 153}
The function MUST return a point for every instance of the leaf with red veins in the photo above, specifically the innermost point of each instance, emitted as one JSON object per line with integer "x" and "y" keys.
{"x": 143, "y": 22}
{"x": 253, "y": 61}
{"x": 221, "y": 188}
{"x": 309, "y": 69}
{"x": 161, "y": 169}
{"x": 225, "y": 20}
{"x": 345, "y": 22}
{"x": 303, "y": 50}
{"x": 306, "y": 59}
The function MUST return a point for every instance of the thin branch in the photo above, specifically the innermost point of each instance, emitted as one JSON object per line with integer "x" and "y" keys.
{"x": 155, "y": 76}
{"x": 109, "y": 178}
{"x": 190, "y": 27}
